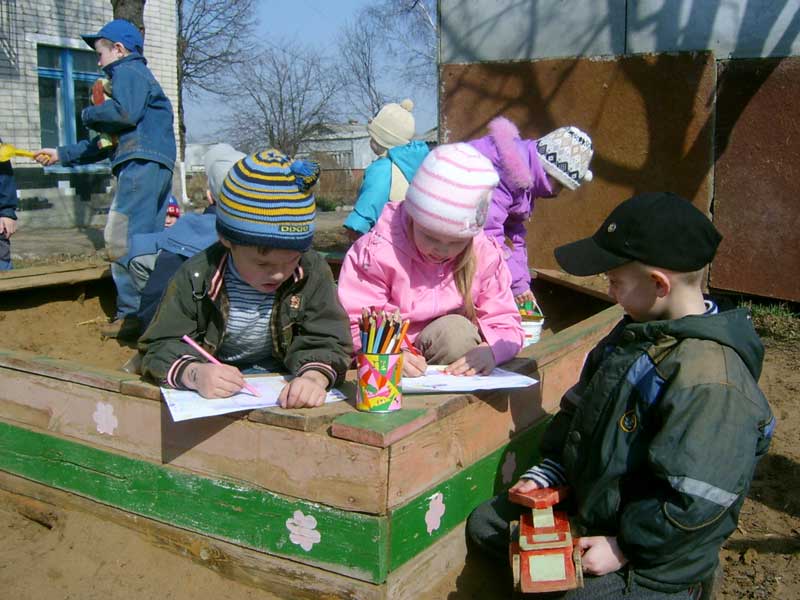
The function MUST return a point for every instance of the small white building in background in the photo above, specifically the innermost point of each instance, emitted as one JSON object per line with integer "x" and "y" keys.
{"x": 46, "y": 74}
{"x": 346, "y": 144}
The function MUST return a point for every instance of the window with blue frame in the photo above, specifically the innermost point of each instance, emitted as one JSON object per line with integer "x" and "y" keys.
{"x": 65, "y": 89}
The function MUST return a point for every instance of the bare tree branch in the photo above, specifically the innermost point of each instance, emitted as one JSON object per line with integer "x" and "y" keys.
{"x": 409, "y": 30}
{"x": 359, "y": 46}
{"x": 212, "y": 37}
{"x": 284, "y": 94}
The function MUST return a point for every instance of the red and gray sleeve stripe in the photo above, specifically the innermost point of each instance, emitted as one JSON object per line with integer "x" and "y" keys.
{"x": 326, "y": 370}
{"x": 173, "y": 378}
{"x": 547, "y": 473}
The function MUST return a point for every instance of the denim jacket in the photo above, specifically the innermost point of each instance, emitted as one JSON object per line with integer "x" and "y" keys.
{"x": 8, "y": 191}
{"x": 139, "y": 113}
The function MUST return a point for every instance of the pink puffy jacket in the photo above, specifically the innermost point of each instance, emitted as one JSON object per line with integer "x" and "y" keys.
{"x": 385, "y": 270}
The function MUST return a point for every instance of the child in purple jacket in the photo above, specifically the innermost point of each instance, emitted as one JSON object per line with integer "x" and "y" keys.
{"x": 528, "y": 169}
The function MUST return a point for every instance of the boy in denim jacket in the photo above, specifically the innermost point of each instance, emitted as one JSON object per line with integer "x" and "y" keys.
{"x": 140, "y": 115}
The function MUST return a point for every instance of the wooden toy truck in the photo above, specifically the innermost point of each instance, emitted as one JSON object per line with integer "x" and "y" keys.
{"x": 542, "y": 551}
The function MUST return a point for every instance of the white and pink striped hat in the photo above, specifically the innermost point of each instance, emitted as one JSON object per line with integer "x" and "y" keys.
{"x": 450, "y": 192}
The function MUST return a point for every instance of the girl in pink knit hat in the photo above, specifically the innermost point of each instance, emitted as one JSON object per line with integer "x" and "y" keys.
{"x": 428, "y": 258}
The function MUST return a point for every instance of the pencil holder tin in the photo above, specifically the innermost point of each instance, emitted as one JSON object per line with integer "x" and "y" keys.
{"x": 379, "y": 386}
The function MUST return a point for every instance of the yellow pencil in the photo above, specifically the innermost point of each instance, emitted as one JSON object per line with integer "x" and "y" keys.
{"x": 371, "y": 338}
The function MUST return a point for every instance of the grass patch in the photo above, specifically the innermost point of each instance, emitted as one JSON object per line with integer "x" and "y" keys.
{"x": 776, "y": 321}
{"x": 327, "y": 204}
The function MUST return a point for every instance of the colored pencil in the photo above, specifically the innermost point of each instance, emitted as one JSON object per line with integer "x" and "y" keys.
{"x": 371, "y": 336}
{"x": 411, "y": 347}
{"x": 387, "y": 337}
{"x": 401, "y": 335}
{"x": 214, "y": 361}
{"x": 378, "y": 337}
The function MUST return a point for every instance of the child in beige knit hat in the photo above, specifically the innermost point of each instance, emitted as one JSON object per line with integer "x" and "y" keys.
{"x": 387, "y": 178}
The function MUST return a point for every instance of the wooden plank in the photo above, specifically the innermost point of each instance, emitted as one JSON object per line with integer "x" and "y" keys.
{"x": 36, "y": 277}
{"x": 139, "y": 388}
{"x": 344, "y": 542}
{"x": 594, "y": 285}
{"x": 65, "y": 370}
{"x": 305, "y": 419}
{"x": 381, "y": 429}
{"x": 433, "y": 454}
{"x": 306, "y": 465}
{"x": 301, "y": 419}
{"x": 279, "y": 576}
{"x": 424, "y": 520}
{"x": 417, "y": 577}
{"x": 317, "y": 419}
{"x": 555, "y": 347}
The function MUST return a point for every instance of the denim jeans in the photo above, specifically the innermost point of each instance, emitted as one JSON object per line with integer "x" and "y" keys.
{"x": 139, "y": 206}
{"x": 5, "y": 254}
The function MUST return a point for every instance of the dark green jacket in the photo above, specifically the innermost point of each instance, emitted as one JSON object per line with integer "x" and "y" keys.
{"x": 659, "y": 440}
{"x": 309, "y": 328}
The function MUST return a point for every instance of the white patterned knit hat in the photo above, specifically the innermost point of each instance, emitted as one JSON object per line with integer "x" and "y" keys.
{"x": 565, "y": 154}
{"x": 450, "y": 192}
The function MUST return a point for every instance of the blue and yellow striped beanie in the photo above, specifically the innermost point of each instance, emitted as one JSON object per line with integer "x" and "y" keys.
{"x": 266, "y": 200}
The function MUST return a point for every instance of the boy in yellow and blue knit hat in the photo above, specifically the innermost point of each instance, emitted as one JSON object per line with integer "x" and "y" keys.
{"x": 258, "y": 300}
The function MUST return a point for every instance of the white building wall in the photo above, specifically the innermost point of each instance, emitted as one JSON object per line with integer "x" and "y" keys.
{"x": 27, "y": 23}
{"x": 161, "y": 50}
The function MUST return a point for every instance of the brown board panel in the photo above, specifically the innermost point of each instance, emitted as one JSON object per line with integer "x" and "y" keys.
{"x": 650, "y": 118}
{"x": 756, "y": 184}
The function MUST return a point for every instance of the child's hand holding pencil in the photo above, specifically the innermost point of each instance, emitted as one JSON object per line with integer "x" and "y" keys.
{"x": 213, "y": 379}
{"x": 414, "y": 364}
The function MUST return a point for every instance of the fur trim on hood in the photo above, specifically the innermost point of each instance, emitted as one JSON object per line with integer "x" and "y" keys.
{"x": 516, "y": 171}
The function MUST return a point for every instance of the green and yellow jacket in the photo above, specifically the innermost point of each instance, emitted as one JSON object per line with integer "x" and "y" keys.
{"x": 659, "y": 440}
{"x": 308, "y": 326}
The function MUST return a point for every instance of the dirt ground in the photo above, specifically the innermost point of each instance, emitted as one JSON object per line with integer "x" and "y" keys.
{"x": 79, "y": 556}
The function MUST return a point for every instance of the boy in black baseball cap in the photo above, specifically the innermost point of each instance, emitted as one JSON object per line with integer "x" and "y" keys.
{"x": 659, "y": 438}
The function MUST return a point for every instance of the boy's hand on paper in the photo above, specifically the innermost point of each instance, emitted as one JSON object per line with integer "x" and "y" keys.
{"x": 7, "y": 226}
{"x": 46, "y": 156}
{"x": 213, "y": 381}
{"x": 478, "y": 361}
{"x": 601, "y": 555}
{"x": 413, "y": 365}
{"x": 526, "y": 296}
{"x": 523, "y": 486}
{"x": 306, "y": 391}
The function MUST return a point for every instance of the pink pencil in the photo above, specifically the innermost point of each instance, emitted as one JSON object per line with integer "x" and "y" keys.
{"x": 213, "y": 360}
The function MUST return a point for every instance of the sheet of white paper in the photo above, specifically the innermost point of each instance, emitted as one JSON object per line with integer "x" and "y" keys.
{"x": 184, "y": 404}
{"x": 435, "y": 380}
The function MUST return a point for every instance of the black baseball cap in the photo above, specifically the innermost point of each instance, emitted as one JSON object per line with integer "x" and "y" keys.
{"x": 660, "y": 229}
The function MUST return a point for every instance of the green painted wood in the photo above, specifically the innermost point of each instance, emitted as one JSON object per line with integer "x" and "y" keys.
{"x": 415, "y": 526}
{"x": 351, "y": 543}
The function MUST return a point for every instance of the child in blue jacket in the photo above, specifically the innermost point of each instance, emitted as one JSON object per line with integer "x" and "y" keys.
{"x": 140, "y": 115}
{"x": 8, "y": 214}
{"x": 387, "y": 178}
